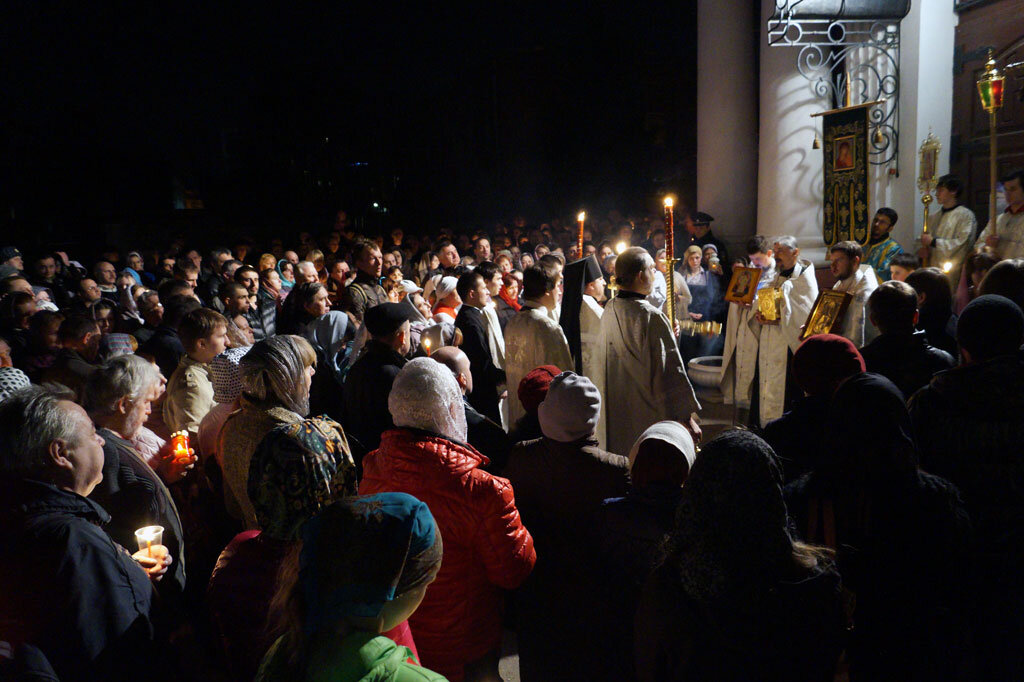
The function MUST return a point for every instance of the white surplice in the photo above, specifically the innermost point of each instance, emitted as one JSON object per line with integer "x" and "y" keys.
{"x": 532, "y": 339}
{"x": 639, "y": 372}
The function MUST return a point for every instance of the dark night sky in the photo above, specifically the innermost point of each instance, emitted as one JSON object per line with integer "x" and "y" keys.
{"x": 463, "y": 115}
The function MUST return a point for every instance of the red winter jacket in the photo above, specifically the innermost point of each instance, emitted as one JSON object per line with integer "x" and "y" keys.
{"x": 486, "y": 546}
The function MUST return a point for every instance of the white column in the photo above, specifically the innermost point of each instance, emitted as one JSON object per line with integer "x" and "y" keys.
{"x": 789, "y": 181}
{"x": 727, "y": 119}
{"x": 927, "y": 38}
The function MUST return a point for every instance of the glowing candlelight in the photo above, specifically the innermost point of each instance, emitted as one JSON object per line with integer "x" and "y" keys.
{"x": 947, "y": 266}
{"x": 426, "y": 344}
{"x": 179, "y": 445}
{"x": 148, "y": 536}
{"x": 670, "y": 258}
{"x": 580, "y": 218}
{"x": 620, "y": 247}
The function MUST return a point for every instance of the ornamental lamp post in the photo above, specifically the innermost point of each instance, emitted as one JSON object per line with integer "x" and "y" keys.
{"x": 990, "y": 89}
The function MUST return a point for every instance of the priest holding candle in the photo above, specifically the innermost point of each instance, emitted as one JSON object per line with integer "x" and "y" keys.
{"x": 639, "y": 366}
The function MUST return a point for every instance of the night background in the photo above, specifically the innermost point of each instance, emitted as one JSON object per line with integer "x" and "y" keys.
{"x": 275, "y": 118}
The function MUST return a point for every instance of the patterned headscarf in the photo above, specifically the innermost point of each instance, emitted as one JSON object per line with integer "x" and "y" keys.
{"x": 12, "y": 379}
{"x": 362, "y": 552}
{"x": 226, "y": 375}
{"x": 731, "y": 534}
{"x": 296, "y": 470}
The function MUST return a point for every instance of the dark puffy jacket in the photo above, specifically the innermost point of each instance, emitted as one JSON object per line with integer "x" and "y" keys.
{"x": 70, "y": 591}
{"x": 486, "y": 547}
{"x": 907, "y": 360}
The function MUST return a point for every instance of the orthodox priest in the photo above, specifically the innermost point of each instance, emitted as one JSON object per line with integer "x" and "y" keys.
{"x": 795, "y": 288}
{"x": 533, "y": 337}
{"x": 639, "y": 368}
{"x": 742, "y": 332}
{"x": 581, "y": 311}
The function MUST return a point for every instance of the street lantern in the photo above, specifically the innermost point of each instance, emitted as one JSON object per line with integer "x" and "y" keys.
{"x": 990, "y": 89}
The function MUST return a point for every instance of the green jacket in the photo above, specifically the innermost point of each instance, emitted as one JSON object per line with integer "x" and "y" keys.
{"x": 362, "y": 657}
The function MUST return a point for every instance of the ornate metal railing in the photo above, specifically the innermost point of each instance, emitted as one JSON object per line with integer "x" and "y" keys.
{"x": 849, "y": 48}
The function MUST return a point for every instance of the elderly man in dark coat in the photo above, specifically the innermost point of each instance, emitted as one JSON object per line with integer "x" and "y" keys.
{"x": 74, "y": 605}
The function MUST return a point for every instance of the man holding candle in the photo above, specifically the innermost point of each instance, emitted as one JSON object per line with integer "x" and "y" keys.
{"x": 117, "y": 399}
{"x": 68, "y": 590}
{"x": 639, "y": 368}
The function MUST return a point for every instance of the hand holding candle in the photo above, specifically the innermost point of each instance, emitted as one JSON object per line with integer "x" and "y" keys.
{"x": 177, "y": 458}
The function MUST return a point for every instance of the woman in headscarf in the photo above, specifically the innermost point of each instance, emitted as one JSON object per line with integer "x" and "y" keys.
{"x": 297, "y": 470}
{"x": 902, "y": 538}
{"x": 306, "y": 312}
{"x": 820, "y": 364}
{"x": 488, "y": 550}
{"x": 276, "y": 375}
{"x": 706, "y": 304}
{"x": 364, "y": 567}
{"x": 507, "y": 304}
{"x": 633, "y": 529}
{"x": 736, "y": 598}
{"x": 287, "y": 272}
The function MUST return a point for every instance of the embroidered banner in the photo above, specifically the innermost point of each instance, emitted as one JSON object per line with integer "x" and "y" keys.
{"x": 846, "y": 176}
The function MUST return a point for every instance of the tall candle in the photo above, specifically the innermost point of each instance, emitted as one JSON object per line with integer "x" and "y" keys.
{"x": 670, "y": 238}
{"x": 670, "y": 261}
{"x": 581, "y": 218}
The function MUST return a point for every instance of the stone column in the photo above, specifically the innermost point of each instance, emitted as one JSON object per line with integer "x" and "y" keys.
{"x": 727, "y": 118}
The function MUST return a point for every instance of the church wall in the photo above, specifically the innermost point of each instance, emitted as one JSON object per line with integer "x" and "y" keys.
{"x": 789, "y": 170}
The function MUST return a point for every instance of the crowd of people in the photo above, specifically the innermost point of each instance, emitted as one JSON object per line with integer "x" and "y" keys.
{"x": 373, "y": 456}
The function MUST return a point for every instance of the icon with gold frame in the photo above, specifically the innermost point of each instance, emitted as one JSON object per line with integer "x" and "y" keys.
{"x": 769, "y": 303}
{"x": 743, "y": 285}
{"x": 828, "y": 313}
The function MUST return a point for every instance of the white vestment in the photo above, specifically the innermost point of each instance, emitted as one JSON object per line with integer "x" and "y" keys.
{"x": 532, "y": 339}
{"x": 590, "y": 333}
{"x": 1010, "y": 230}
{"x": 643, "y": 379}
{"x": 951, "y": 233}
{"x": 739, "y": 356}
{"x": 860, "y": 284}
{"x": 496, "y": 342}
{"x": 798, "y": 293}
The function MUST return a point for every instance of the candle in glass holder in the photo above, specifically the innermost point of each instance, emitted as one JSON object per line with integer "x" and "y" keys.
{"x": 179, "y": 445}
{"x": 148, "y": 536}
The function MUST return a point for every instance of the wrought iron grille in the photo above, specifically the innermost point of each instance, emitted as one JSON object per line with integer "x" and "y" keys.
{"x": 842, "y": 47}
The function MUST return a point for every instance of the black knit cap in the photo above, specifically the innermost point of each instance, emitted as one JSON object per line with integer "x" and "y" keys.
{"x": 990, "y": 326}
{"x": 385, "y": 319}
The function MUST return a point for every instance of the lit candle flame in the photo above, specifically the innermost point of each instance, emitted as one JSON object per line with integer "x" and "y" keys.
{"x": 581, "y": 216}
{"x": 947, "y": 266}
{"x": 620, "y": 247}
{"x": 669, "y": 202}
{"x": 426, "y": 344}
